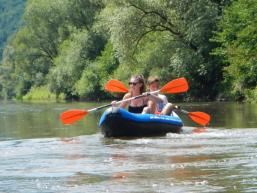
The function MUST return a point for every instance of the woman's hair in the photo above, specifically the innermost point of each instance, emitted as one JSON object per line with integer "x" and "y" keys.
{"x": 152, "y": 79}
{"x": 140, "y": 79}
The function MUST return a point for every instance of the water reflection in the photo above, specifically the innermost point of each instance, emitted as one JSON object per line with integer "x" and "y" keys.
{"x": 69, "y": 140}
{"x": 188, "y": 174}
{"x": 80, "y": 178}
{"x": 39, "y": 120}
{"x": 215, "y": 160}
{"x": 23, "y": 120}
{"x": 39, "y": 154}
{"x": 120, "y": 175}
{"x": 188, "y": 159}
{"x": 199, "y": 130}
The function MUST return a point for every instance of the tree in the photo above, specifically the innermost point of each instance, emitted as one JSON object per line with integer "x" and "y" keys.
{"x": 10, "y": 20}
{"x": 48, "y": 26}
{"x": 73, "y": 47}
{"x": 238, "y": 39}
{"x": 179, "y": 30}
{"x": 97, "y": 73}
{"x": 69, "y": 64}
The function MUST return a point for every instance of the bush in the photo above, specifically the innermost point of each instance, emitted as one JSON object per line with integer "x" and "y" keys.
{"x": 251, "y": 95}
{"x": 41, "y": 94}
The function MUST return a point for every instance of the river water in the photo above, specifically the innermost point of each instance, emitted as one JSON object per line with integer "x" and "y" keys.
{"x": 39, "y": 154}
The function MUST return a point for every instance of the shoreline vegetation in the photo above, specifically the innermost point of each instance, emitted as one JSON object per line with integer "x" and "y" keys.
{"x": 42, "y": 94}
{"x": 67, "y": 50}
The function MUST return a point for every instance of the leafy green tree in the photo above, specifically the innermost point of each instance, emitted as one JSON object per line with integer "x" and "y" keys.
{"x": 238, "y": 38}
{"x": 10, "y": 19}
{"x": 70, "y": 63}
{"x": 96, "y": 74}
{"x": 179, "y": 30}
{"x": 37, "y": 47}
{"x": 73, "y": 47}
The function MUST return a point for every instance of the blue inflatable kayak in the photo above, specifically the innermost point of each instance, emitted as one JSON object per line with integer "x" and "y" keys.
{"x": 118, "y": 122}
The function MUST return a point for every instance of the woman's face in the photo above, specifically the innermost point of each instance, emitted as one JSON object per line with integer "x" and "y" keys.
{"x": 134, "y": 84}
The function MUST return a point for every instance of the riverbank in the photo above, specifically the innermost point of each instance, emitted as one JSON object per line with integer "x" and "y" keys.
{"x": 37, "y": 94}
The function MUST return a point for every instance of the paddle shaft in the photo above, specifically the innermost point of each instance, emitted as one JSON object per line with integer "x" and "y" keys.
{"x": 183, "y": 111}
{"x": 175, "y": 86}
{"x": 124, "y": 100}
{"x": 97, "y": 108}
{"x": 198, "y": 117}
{"x": 177, "y": 108}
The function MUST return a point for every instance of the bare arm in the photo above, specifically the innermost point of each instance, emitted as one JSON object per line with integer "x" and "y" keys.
{"x": 125, "y": 104}
{"x": 155, "y": 98}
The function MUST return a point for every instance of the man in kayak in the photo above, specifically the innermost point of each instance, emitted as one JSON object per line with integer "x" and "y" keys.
{"x": 160, "y": 102}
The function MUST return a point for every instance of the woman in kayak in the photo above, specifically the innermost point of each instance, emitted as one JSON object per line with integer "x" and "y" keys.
{"x": 136, "y": 88}
{"x": 160, "y": 102}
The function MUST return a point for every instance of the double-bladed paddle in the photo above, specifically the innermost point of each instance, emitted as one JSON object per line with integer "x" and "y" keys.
{"x": 175, "y": 86}
{"x": 198, "y": 117}
{"x": 178, "y": 85}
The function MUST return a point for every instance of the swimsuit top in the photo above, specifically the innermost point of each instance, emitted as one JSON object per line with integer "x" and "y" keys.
{"x": 137, "y": 109}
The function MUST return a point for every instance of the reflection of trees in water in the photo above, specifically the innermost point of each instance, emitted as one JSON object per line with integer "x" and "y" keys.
{"x": 181, "y": 172}
{"x": 119, "y": 160}
{"x": 189, "y": 174}
{"x": 188, "y": 159}
{"x": 80, "y": 178}
{"x": 40, "y": 120}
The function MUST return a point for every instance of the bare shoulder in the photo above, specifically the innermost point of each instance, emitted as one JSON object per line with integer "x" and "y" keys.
{"x": 128, "y": 95}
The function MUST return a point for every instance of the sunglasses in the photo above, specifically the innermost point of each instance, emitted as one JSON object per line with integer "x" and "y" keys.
{"x": 133, "y": 83}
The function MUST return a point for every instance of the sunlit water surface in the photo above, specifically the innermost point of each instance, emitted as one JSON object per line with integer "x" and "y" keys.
{"x": 39, "y": 154}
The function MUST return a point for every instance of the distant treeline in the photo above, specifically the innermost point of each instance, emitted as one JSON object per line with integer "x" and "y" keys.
{"x": 10, "y": 19}
{"x": 69, "y": 49}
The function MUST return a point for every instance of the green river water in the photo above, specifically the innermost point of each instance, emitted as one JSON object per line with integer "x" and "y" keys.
{"x": 40, "y": 154}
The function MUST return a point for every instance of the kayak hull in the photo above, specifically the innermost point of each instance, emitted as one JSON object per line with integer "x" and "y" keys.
{"x": 117, "y": 122}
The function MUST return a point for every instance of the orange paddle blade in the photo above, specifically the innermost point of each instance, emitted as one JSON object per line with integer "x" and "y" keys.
{"x": 70, "y": 116}
{"x": 200, "y": 117}
{"x": 175, "y": 86}
{"x": 115, "y": 86}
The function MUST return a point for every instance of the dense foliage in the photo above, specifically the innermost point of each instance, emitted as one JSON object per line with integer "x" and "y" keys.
{"x": 238, "y": 38}
{"x": 10, "y": 19}
{"x": 72, "y": 47}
